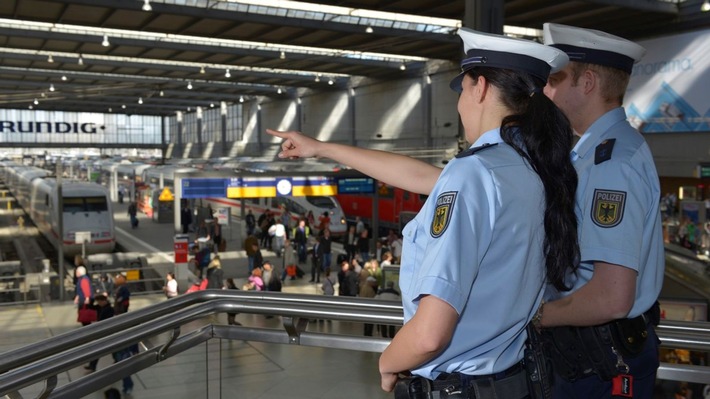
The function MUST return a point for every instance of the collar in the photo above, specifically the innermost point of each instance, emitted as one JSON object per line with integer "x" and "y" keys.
{"x": 487, "y": 139}
{"x": 597, "y": 132}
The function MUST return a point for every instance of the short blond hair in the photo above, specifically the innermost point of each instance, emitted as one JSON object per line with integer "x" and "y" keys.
{"x": 612, "y": 81}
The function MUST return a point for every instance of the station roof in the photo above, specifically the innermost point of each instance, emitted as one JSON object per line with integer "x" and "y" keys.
{"x": 51, "y": 50}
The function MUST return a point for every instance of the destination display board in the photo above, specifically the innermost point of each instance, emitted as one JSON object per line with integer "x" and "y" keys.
{"x": 355, "y": 185}
{"x": 258, "y": 187}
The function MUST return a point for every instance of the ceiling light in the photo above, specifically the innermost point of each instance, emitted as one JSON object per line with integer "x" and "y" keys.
{"x": 282, "y": 55}
{"x": 80, "y": 61}
{"x": 51, "y": 87}
{"x": 110, "y": 110}
{"x": 105, "y": 42}
{"x": 402, "y": 67}
{"x": 123, "y": 106}
{"x": 188, "y": 109}
{"x": 202, "y": 70}
{"x": 227, "y": 74}
{"x": 146, "y": 6}
{"x": 705, "y": 7}
{"x": 140, "y": 100}
{"x": 330, "y": 81}
{"x": 30, "y": 106}
{"x": 42, "y": 94}
{"x": 211, "y": 105}
{"x": 189, "y": 85}
{"x": 241, "y": 99}
{"x": 161, "y": 93}
{"x": 369, "y": 29}
{"x": 64, "y": 77}
{"x": 35, "y": 102}
{"x": 279, "y": 90}
{"x": 318, "y": 78}
{"x": 50, "y": 59}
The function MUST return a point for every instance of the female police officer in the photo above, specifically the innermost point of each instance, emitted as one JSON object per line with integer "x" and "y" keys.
{"x": 472, "y": 274}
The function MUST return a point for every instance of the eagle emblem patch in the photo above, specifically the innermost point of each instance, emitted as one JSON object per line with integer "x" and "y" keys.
{"x": 442, "y": 213}
{"x": 608, "y": 207}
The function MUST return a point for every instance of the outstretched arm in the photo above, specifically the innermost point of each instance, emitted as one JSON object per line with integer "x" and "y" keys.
{"x": 394, "y": 169}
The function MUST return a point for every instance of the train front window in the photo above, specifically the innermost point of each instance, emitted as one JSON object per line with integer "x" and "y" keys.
{"x": 321, "y": 202}
{"x": 73, "y": 204}
{"x": 96, "y": 204}
{"x": 85, "y": 204}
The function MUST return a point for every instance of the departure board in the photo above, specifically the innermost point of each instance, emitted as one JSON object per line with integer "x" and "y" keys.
{"x": 355, "y": 185}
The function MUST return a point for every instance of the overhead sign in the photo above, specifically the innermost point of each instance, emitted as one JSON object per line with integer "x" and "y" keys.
{"x": 258, "y": 187}
{"x": 356, "y": 185}
{"x": 166, "y": 195}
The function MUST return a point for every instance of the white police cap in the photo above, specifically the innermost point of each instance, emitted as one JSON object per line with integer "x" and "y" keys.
{"x": 497, "y": 51}
{"x": 593, "y": 46}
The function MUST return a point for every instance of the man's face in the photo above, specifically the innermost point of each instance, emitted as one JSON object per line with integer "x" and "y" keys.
{"x": 565, "y": 93}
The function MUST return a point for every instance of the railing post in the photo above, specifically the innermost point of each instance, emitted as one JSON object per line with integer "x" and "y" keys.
{"x": 213, "y": 348}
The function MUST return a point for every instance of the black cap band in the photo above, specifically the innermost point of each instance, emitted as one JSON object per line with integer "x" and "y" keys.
{"x": 598, "y": 57}
{"x": 499, "y": 59}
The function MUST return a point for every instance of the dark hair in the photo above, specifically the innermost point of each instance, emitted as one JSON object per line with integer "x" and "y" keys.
{"x": 542, "y": 135}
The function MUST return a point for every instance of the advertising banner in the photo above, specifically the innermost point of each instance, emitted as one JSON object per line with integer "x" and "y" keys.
{"x": 668, "y": 90}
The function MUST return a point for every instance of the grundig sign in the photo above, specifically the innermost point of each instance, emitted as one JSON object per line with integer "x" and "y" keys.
{"x": 48, "y": 127}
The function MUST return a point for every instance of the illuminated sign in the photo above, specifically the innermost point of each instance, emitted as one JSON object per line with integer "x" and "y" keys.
{"x": 48, "y": 127}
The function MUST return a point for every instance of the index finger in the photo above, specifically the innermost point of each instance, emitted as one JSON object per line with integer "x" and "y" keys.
{"x": 276, "y": 133}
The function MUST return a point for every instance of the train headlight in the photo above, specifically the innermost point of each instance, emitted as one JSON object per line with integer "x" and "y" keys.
{"x": 342, "y": 220}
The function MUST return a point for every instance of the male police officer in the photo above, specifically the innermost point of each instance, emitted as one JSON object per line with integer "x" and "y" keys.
{"x": 621, "y": 271}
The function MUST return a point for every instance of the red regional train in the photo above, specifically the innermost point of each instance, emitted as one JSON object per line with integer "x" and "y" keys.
{"x": 396, "y": 206}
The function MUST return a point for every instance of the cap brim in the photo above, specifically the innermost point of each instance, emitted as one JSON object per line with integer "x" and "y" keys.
{"x": 456, "y": 83}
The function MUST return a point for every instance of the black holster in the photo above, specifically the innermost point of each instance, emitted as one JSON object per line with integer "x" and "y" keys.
{"x": 537, "y": 366}
{"x": 577, "y": 352}
{"x": 413, "y": 388}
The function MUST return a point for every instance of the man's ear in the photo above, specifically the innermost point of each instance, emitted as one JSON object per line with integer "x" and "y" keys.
{"x": 590, "y": 80}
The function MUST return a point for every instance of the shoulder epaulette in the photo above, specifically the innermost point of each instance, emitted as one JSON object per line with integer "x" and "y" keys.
{"x": 474, "y": 150}
{"x": 603, "y": 151}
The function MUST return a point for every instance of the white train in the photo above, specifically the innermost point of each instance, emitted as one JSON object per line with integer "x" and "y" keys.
{"x": 86, "y": 208}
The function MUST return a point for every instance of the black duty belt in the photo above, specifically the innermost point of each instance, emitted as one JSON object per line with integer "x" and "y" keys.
{"x": 511, "y": 383}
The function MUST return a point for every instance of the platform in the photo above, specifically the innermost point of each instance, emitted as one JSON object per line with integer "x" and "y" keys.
{"x": 256, "y": 370}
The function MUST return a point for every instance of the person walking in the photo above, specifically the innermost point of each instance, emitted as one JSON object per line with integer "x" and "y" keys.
{"x": 133, "y": 214}
{"x": 469, "y": 287}
{"x": 104, "y": 311}
{"x": 84, "y": 297}
{"x": 122, "y": 297}
{"x": 621, "y": 268}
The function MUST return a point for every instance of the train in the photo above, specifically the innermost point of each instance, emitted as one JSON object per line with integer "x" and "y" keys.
{"x": 86, "y": 209}
{"x": 396, "y": 206}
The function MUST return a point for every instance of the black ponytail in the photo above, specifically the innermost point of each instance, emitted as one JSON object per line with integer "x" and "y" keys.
{"x": 541, "y": 134}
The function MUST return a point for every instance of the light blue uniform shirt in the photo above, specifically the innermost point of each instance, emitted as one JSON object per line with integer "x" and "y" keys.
{"x": 477, "y": 245}
{"x": 617, "y": 207}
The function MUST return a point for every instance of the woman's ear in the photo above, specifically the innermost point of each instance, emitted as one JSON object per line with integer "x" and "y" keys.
{"x": 481, "y": 88}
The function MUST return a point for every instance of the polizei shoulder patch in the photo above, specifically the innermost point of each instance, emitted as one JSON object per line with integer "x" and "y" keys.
{"x": 608, "y": 207}
{"x": 442, "y": 213}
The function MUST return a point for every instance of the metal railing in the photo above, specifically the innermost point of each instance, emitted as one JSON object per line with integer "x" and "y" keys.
{"x": 43, "y": 361}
